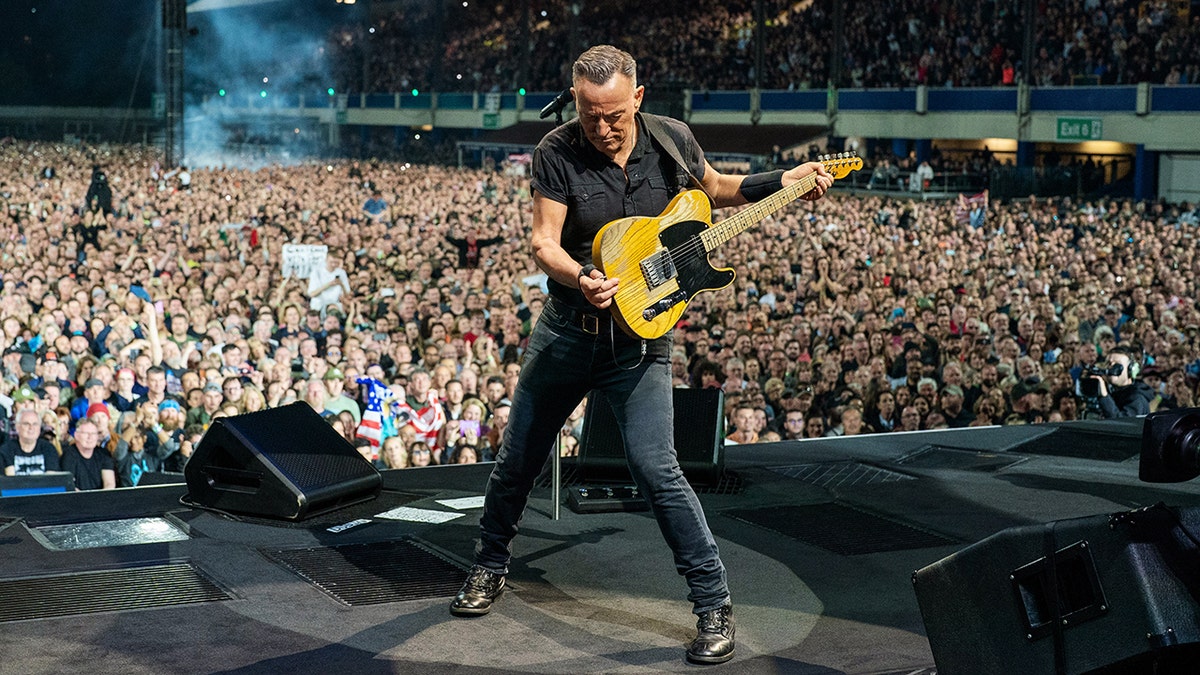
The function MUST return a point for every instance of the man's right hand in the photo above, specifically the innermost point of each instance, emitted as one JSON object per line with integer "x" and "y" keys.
{"x": 598, "y": 289}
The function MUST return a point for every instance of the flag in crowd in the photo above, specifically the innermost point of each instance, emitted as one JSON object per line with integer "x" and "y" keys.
{"x": 386, "y": 412}
{"x": 372, "y": 425}
{"x": 426, "y": 420}
{"x": 967, "y": 205}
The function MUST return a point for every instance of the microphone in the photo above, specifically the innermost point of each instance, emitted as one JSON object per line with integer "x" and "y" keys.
{"x": 557, "y": 105}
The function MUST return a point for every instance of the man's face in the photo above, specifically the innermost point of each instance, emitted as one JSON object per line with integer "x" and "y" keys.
{"x": 212, "y": 400}
{"x": 500, "y": 418}
{"x": 1123, "y": 379}
{"x": 607, "y": 112}
{"x": 418, "y": 385}
{"x": 744, "y": 419}
{"x": 952, "y": 403}
{"x": 86, "y": 436}
{"x": 28, "y": 428}
{"x": 156, "y": 383}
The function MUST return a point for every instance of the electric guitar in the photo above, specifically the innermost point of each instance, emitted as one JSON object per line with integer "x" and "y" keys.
{"x": 662, "y": 262}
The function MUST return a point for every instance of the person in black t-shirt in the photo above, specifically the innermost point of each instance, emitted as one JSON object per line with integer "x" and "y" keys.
{"x": 28, "y": 453}
{"x": 470, "y": 248}
{"x": 92, "y": 467}
{"x": 605, "y": 165}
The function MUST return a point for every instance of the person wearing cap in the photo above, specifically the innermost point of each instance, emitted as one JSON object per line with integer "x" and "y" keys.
{"x": 50, "y": 369}
{"x": 94, "y": 392}
{"x": 957, "y": 416}
{"x": 1029, "y": 400}
{"x": 169, "y": 432}
{"x": 28, "y": 454}
{"x": 336, "y": 400}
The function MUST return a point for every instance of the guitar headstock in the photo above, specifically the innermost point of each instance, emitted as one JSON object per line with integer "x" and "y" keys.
{"x": 842, "y": 164}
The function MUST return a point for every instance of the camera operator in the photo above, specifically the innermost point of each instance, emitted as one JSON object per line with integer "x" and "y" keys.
{"x": 1116, "y": 390}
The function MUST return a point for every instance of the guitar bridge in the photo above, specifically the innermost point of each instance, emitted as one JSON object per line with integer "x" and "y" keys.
{"x": 658, "y": 268}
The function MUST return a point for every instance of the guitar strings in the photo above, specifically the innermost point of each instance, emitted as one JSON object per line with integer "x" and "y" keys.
{"x": 730, "y": 227}
{"x": 695, "y": 246}
{"x": 769, "y": 205}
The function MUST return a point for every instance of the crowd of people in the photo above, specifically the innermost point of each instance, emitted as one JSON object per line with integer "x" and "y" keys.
{"x": 704, "y": 45}
{"x": 135, "y": 312}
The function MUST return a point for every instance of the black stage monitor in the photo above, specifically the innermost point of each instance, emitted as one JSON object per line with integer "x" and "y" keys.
{"x": 37, "y": 484}
{"x": 699, "y": 438}
{"x": 279, "y": 463}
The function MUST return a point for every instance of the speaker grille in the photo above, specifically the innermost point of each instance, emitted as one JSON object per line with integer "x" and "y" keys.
{"x": 961, "y": 459}
{"x": 840, "y": 474}
{"x": 178, "y": 583}
{"x": 374, "y": 573}
{"x": 306, "y": 449}
{"x": 840, "y": 528}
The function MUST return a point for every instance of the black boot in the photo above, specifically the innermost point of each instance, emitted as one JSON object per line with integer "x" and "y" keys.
{"x": 478, "y": 593}
{"x": 714, "y": 637}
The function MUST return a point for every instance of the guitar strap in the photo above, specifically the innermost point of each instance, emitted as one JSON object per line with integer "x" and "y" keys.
{"x": 658, "y": 133}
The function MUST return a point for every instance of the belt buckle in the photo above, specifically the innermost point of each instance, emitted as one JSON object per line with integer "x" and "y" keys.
{"x": 590, "y": 324}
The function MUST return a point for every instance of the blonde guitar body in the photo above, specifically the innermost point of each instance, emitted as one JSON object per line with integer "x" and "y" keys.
{"x": 662, "y": 261}
{"x": 637, "y": 251}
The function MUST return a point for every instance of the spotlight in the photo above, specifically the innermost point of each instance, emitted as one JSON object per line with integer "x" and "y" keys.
{"x": 1170, "y": 446}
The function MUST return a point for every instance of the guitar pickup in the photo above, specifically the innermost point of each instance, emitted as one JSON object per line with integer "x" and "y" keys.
{"x": 658, "y": 268}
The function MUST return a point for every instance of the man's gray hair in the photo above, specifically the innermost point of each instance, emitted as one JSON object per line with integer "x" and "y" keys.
{"x": 599, "y": 64}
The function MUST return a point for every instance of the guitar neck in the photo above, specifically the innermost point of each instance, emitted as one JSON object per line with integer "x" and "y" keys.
{"x": 745, "y": 219}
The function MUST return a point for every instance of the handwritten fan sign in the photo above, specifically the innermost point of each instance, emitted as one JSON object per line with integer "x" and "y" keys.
{"x": 299, "y": 260}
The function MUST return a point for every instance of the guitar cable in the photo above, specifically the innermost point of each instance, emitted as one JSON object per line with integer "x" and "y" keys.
{"x": 586, "y": 270}
{"x": 612, "y": 345}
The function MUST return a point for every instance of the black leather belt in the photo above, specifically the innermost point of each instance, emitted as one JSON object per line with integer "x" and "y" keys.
{"x": 589, "y": 322}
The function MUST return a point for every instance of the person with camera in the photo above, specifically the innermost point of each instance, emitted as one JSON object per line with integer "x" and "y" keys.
{"x": 1115, "y": 388}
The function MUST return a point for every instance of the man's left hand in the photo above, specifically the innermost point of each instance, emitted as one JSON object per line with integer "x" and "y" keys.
{"x": 824, "y": 180}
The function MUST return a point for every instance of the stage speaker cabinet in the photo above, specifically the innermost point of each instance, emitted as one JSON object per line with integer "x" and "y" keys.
{"x": 285, "y": 463}
{"x": 699, "y": 431}
{"x": 1104, "y": 594}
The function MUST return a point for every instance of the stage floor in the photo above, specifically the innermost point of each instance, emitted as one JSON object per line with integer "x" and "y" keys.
{"x": 820, "y": 539}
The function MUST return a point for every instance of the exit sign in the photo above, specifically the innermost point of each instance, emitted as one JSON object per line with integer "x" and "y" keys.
{"x": 1079, "y": 129}
{"x": 491, "y": 120}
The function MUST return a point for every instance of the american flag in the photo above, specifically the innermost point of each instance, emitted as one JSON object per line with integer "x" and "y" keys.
{"x": 371, "y": 427}
{"x": 962, "y": 212}
{"x": 426, "y": 421}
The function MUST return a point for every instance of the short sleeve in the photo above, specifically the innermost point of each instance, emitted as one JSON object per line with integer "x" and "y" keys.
{"x": 548, "y": 178}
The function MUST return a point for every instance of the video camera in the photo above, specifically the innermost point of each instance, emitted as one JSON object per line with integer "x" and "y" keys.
{"x": 1088, "y": 386}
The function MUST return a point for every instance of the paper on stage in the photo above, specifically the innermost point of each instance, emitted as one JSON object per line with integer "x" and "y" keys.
{"x": 418, "y": 515}
{"x": 463, "y": 503}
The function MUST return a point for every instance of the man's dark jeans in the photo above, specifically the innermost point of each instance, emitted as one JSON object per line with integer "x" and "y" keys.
{"x": 563, "y": 362}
